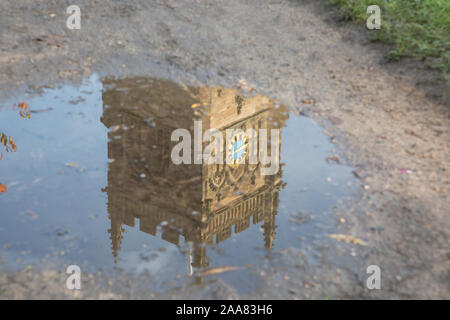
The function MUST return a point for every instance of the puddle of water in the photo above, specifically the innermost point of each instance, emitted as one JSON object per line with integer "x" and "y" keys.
{"x": 93, "y": 182}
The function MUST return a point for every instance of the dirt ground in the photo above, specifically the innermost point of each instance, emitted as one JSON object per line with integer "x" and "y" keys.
{"x": 382, "y": 122}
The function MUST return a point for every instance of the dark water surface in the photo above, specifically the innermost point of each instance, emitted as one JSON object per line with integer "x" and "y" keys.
{"x": 93, "y": 184}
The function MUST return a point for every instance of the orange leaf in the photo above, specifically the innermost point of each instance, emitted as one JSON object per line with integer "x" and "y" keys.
{"x": 2, "y": 188}
{"x": 3, "y": 139}
{"x": 23, "y": 105}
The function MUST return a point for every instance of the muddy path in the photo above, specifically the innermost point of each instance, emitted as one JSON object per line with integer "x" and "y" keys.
{"x": 380, "y": 123}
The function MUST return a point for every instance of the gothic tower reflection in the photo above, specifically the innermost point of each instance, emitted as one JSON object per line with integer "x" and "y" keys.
{"x": 199, "y": 202}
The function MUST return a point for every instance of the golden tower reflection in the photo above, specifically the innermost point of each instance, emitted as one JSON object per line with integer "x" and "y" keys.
{"x": 199, "y": 202}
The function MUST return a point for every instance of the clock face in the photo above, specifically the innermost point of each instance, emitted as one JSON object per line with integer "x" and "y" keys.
{"x": 237, "y": 148}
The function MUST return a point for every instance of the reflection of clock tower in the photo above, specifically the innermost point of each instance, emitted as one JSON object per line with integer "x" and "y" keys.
{"x": 198, "y": 202}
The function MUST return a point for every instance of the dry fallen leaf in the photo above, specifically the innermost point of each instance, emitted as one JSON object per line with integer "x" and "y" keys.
{"x": 115, "y": 128}
{"x": 349, "y": 239}
{"x": 2, "y": 188}
{"x": 333, "y": 158}
{"x": 218, "y": 270}
{"x": 309, "y": 101}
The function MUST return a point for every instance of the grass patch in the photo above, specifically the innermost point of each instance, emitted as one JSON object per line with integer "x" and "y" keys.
{"x": 419, "y": 29}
